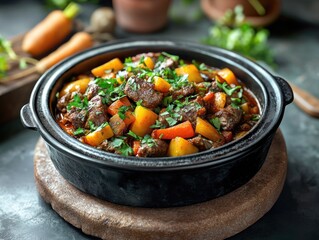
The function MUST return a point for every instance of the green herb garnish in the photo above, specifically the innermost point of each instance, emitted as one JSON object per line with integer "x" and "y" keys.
{"x": 255, "y": 117}
{"x": 79, "y": 131}
{"x": 174, "y": 57}
{"x": 78, "y": 102}
{"x": 120, "y": 145}
{"x": 233, "y": 33}
{"x": 226, "y": 88}
{"x": 122, "y": 110}
{"x": 216, "y": 122}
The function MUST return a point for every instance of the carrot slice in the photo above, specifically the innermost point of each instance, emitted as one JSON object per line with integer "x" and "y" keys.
{"x": 129, "y": 118}
{"x": 114, "y": 107}
{"x": 209, "y": 97}
{"x": 207, "y": 130}
{"x": 98, "y": 136}
{"x": 149, "y": 62}
{"x": 184, "y": 130}
{"x": 228, "y": 76}
{"x": 144, "y": 118}
{"x": 180, "y": 147}
{"x": 192, "y": 71}
{"x": 117, "y": 124}
{"x": 75, "y": 86}
{"x": 136, "y": 146}
{"x": 112, "y": 65}
{"x": 161, "y": 85}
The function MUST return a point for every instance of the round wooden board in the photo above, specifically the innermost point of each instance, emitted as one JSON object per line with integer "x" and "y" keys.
{"x": 215, "y": 219}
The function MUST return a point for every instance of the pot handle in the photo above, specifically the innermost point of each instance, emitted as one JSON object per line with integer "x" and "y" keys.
{"x": 285, "y": 89}
{"x": 26, "y": 117}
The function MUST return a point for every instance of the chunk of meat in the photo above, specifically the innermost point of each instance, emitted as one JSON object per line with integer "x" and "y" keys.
{"x": 168, "y": 63}
{"x": 149, "y": 54}
{"x": 229, "y": 117}
{"x": 138, "y": 89}
{"x": 92, "y": 90}
{"x": 201, "y": 143}
{"x": 158, "y": 148}
{"x": 193, "y": 110}
{"x": 96, "y": 112}
{"x": 63, "y": 102}
{"x": 183, "y": 91}
{"x": 77, "y": 117}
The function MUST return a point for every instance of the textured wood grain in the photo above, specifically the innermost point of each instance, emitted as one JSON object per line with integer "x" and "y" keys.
{"x": 216, "y": 219}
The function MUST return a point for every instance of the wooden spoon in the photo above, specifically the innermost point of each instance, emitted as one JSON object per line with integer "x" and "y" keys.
{"x": 305, "y": 101}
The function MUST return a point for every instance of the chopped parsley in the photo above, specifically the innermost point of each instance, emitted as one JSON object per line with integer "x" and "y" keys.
{"x": 110, "y": 89}
{"x": 122, "y": 110}
{"x": 147, "y": 139}
{"x": 200, "y": 66}
{"x": 79, "y": 131}
{"x": 226, "y": 88}
{"x": 216, "y": 122}
{"x": 255, "y": 117}
{"x": 92, "y": 126}
{"x": 121, "y": 146}
{"x": 174, "y": 57}
{"x": 78, "y": 102}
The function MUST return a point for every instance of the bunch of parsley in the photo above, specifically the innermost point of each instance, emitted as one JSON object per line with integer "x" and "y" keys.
{"x": 233, "y": 33}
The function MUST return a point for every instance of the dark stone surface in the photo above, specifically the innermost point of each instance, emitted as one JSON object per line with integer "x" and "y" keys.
{"x": 23, "y": 213}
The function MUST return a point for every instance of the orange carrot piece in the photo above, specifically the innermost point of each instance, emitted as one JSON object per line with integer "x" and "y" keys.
{"x": 228, "y": 76}
{"x": 161, "y": 85}
{"x": 209, "y": 97}
{"x": 75, "y": 86}
{"x": 184, "y": 130}
{"x": 117, "y": 124}
{"x": 136, "y": 146}
{"x": 113, "y": 65}
{"x": 114, "y": 107}
{"x": 98, "y": 136}
{"x": 220, "y": 99}
{"x": 129, "y": 118}
{"x": 180, "y": 147}
{"x": 192, "y": 71}
{"x": 77, "y": 43}
{"x": 50, "y": 32}
{"x": 144, "y": 119}
{"x": 149, "y": 62}
{"x": 204, "y": 128}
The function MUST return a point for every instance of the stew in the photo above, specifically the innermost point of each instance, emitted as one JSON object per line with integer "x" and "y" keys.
{"x": 156, "y": 105}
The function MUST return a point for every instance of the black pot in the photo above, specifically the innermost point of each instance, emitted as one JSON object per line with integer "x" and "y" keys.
{"x": 158, "y": 182}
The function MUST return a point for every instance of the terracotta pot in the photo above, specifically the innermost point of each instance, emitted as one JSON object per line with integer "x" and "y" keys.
{"x": 216, "y": 9}
{"x": 141, "y": 16}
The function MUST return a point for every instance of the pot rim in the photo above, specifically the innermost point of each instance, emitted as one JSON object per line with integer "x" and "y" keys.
{"x": 56, "y": 137}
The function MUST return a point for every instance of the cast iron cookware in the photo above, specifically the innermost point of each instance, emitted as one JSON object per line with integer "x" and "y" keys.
{"x": 158, "y": 182}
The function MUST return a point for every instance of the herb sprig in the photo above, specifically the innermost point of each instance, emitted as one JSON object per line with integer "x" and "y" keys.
{"x": 8, "y": 55}
{"x": 233, "y": 33}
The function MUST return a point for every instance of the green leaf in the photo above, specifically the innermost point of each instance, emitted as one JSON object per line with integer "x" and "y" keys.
{"x": 122, "y": 110}
{"x": 174, "y": 57}
{"x": 133, "y": 135}
{"x": 79, "y": 131}
{"x": 216, "y": 123}
{"x": 226, "y": 88}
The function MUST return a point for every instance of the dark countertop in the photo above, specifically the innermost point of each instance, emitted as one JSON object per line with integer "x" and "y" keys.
{"x": 23, "y": 213}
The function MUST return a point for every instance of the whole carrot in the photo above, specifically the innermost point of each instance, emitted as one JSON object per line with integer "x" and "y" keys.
{"x": 50, "y": 32}
{"x": 77, "y": 43}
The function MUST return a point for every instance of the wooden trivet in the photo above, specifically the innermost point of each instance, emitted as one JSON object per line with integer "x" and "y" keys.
{"x": 215, "y": 219}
